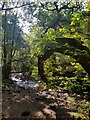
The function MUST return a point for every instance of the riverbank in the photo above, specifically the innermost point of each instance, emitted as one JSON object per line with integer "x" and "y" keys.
{"x": 20, "y": 103}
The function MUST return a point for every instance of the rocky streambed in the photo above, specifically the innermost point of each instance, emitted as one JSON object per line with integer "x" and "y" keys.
{"x": 30, "y": 103}
{"x": 17, "y": 79}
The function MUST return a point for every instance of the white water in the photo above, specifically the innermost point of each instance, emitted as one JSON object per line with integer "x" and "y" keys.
{"x": 26, "y": 84}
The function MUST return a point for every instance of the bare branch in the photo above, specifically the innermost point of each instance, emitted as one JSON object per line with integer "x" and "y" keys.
{"x": 61, "y": 8}
{"x": 10, "y": 8}
{"x": 3, "y": 5}
{"x": 46, "y": 8}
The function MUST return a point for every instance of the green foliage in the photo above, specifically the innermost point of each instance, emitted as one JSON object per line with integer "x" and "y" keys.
{"x": 82, "y": 107}
{"x": 63, "y": 71}
{"x": 86, "y": 106}
{"x": 48, "y": 25}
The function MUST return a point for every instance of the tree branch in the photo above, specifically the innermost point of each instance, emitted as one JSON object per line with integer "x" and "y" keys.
{"x": 20, "y": 59}
{"x": 10, "y": 8}
{"x": 59, "y": 9}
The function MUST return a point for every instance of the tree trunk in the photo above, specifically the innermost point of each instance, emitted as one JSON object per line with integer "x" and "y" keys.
{"x": 41, "y": 70}
{"x": 84, "y": 60}
{"x": 6, "y": 70}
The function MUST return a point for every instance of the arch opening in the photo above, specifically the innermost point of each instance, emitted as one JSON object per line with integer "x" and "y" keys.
{"x": 75, "y": 51}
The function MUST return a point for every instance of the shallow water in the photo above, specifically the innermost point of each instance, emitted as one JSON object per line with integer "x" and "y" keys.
{"x": 26, "y": 84}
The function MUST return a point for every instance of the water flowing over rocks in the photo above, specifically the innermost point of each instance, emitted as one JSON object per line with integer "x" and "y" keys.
{"x": 24, "y": 83}
{"x": 31, "y": 103}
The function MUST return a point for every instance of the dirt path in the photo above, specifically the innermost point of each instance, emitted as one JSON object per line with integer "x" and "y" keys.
{"x": 19, "y": 103}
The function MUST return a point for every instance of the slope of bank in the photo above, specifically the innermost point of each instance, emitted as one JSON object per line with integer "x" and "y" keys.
{"x": 47, "y": 104}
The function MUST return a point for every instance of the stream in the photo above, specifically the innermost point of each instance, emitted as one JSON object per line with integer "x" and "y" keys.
{"x": 25, "y": 83}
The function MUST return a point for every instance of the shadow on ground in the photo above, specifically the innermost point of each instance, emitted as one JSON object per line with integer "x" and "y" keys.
{"x": 30, "y": 104}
